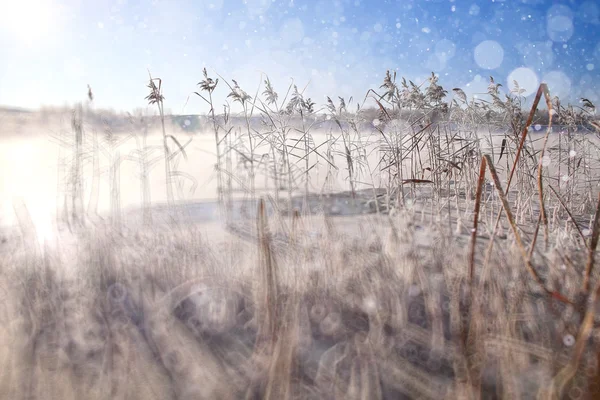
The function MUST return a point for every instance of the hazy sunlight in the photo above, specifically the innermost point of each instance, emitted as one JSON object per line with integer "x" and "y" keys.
{"x": 27, "y": 21}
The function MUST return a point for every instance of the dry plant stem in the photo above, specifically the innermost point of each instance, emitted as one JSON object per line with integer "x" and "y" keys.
{"x": 167, "y": 154}
{"x": 535, "y": 236}
{"x": 487, "y": 161}
{"x": 592, "y": 249}
{"x": 169, "y": 187}
{"x": 306, "y": 159}
{"x": 568, "y": 372}
{"x": 476, "y": 219}
{"x": 562, "y": 203}
{"x": 465, "y": 333}
{"x": 269, "y": 324}
{"x": 515, "y": 230}
{"x": 252, "y": 150}
{"x": 146, "y": 193}
{"x": 218, "y": 149}
{"x": 542, "y": 89}
{"x": 95, "y": 189}
{"x": 77, "y": 169}
{"x": 543, "y": 214}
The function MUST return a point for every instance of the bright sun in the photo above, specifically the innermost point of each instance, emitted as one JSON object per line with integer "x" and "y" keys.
{"x": 27, "y": 21}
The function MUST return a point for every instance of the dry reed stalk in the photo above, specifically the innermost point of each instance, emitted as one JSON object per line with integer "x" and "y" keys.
{"x": 487, "y": 162}
{"x": 562, "y": 203}
{"x": 476, "y": 218}
{"x": 295, "y": 227}
{"x": 544, "y": 216}
{"x": 535, "y": 236}
{"x": 466, "y": 338}
{"x": 592, "y": 249}
{"x": 77, "y": 210}
{"x": 585, "y": 330}
{"x": 156, "y": 97}
{"x": 269, "y": 277}
{"x": 209, "y": 85}
{"x": 541, "y": 89}
{"x": 285, "y": 346}
{"x": 518, "y": 239}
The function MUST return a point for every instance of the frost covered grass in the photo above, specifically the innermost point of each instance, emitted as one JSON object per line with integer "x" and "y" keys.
{"x": 473, "y": 274}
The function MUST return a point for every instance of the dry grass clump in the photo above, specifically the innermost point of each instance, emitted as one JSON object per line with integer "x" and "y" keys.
{"x": 146, "y": 314}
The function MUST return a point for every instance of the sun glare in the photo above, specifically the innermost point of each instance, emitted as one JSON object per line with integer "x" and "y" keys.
{"x": 27, "y": 21}
{"x": 25, "y": 192}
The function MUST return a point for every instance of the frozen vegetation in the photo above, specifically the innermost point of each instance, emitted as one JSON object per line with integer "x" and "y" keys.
{"x": 417, "y": 244}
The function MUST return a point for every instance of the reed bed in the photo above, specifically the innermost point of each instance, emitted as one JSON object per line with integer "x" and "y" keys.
{"x": 440, "y": 288}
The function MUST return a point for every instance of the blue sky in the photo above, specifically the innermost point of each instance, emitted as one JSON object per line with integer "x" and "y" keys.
{"x": 51, "y": 49}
